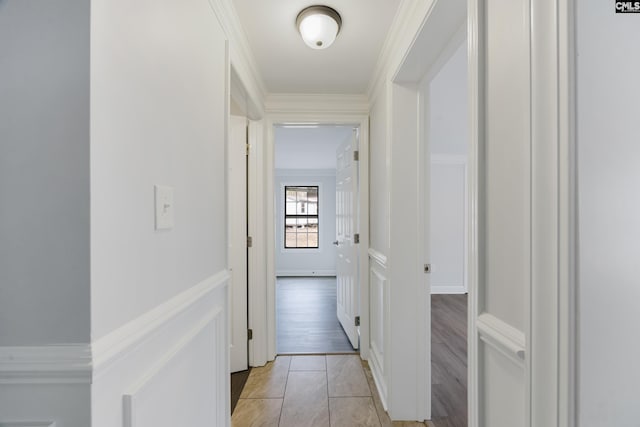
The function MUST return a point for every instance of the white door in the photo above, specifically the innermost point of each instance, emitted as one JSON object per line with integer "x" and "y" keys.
{"x": 346, "y": 221}
{"x": 237, "y": 215}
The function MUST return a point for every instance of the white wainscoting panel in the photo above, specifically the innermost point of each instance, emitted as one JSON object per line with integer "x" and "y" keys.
{"x": 161, "y": 395}
{"x": 172, "y": 365}
{"x": 379, "y": 320}
{"x": 502, "y": 395}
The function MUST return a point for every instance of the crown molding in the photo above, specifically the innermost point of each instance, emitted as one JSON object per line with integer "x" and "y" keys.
{"x": 316, "y": 103}
{"x": 49, "y": 364}
{"x": 409, "y": 18}
{"x": 240, "y": 54}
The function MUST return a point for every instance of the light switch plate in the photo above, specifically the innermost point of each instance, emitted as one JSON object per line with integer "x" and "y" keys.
{"x": 164, "y": 207}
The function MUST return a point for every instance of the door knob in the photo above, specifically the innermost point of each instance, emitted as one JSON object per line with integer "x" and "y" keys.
{"x": 336, "y": 242}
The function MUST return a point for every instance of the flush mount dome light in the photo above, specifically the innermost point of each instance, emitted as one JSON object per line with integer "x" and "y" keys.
{"x": 318, "y": 26}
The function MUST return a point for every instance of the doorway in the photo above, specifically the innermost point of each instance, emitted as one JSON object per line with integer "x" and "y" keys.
{"x": 445, "y": 97}
{"x": 308, "y": 297}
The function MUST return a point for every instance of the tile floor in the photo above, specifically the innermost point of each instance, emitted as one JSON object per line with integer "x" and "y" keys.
{"x": 310, "y": 391}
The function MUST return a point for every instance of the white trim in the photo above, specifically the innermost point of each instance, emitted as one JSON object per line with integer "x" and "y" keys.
{"x": 114, "y": 345}
{"x": 49, "y": 364}
{"x": 293, "y": 116}
{"x": 378, "y": 257}
{"x": 407, "y": 22}
{"x": 502, "y": 337}
{"x": 241, "y": 57}
{"x": 27, "y": 423}
{"x": 448, "y": 289}
{"x": 316, "y": 103}
{"x": 305, "y": 273}
{"x": 475, "y": 78}
{"x": 377, "y": 362}
{"x": 257, "y": 230}
{"x": 304, "y": 172}
{"x": 133, "y": 393}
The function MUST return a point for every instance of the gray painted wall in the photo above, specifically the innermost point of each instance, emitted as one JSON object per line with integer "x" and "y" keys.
{"x": 44, "y": 172}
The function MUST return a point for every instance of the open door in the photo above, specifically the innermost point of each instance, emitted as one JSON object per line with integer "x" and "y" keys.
{"x": 347, "y": 238}
{"x": 237, "y": 216}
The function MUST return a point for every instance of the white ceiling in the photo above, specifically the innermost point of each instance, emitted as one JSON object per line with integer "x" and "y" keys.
{"x": 287, "y": 65}
{"x": 309, "y": 148}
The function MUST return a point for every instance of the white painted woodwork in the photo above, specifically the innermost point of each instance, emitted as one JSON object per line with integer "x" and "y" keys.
{"x": 379, "y": 321}
{"x": 180, "y": 345}
{"x": 521, "y": 188}
{"x": 408, "y": 297}
{"x": 237, "y": 217}
{"x": 607, "y": 66}
{"x": 257, "y": 230}
{"x": 347, "y": 274}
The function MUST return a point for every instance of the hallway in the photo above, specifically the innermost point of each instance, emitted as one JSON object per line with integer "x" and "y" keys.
{"x": 301, "y": 391}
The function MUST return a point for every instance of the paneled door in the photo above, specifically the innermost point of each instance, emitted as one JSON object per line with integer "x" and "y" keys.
{"x": 237, "y": 216}
{"x": 346, "y": 222}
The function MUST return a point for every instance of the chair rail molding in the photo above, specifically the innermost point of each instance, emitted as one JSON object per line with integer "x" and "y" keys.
{"x": 112, "y": 346}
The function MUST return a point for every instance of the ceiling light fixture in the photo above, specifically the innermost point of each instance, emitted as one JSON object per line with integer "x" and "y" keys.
{"x": 319, "y": 26}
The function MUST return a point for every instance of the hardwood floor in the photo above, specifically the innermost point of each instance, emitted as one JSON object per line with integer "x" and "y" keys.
{"x": 238, "y": 380}
{"x": 449, "y": 360}
{"x": 306, "y": 317}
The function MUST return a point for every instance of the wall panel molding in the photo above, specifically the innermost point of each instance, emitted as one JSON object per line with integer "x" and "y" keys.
{"x": 112, "y": 346}
{"x": 136, "y": 392}
{"x": 502, "y": 337}
{"x": 379, "y": 315}
{"x": 51, "y": 364}
{"x": 378, "y": 257}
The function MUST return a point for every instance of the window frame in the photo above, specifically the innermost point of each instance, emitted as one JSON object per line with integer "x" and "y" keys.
{"x": 285, "y": 216}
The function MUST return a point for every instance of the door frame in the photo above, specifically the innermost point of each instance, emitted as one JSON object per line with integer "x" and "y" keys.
{"x": 265, "y": 350}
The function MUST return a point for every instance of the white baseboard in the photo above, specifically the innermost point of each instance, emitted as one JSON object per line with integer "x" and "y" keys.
{"x": 305, "y": 273}
{"x": 27, "y": 424}
{"x": 455, "y": 289}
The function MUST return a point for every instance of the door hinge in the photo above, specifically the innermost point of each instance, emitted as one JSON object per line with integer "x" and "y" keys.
{"x": 249, "y": 241}
{"x": 250, "y": 334}
{"x": 356, "y": 238}
{"x": 357, "y": 322}
{"x": 427, "y": 268}
{"x": 356, "y": 155}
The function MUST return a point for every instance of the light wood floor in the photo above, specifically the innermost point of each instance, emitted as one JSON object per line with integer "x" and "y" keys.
{"x": 312, "y": 391}
{"x": 449, "y": 360}
{"x": 306, "y": 317}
